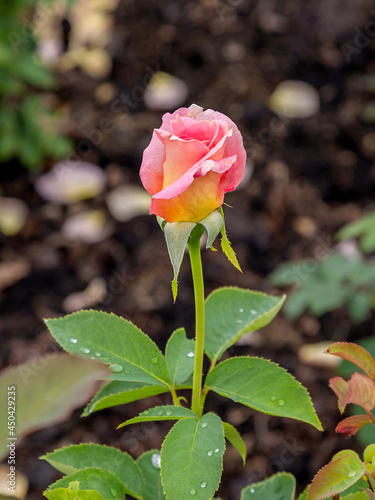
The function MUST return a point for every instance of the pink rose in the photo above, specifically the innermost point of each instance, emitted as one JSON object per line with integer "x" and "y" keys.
{"x": 193, "y": 159}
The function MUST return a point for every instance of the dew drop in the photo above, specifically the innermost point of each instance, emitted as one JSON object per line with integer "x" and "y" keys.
{"x": 352, "y": 473}
{"x": 273, "y": 398}
{"x": 160, "y": 412}
{"x": 184, "y": 469}
{"x": 203, "y": 484}
{"x": 252, "y": 490}
{"x": 190, "y": 354}
{"x": 92, "y": 357}
{"x": 210, "y": 453}
{"x": 155, "y": 460}
{"x": 217, "y": 450}
{"x": 98, "y": 354}
{"x": 239, "y": 321}
{"x": 168, "y": 413}
{"x": 281, "y": 402}
{"x": 204, "y": 425}
{"x": 73, "y": 341}
{"x": 241, "y": 310}
{"x": 114, "y": 492}
{"x": 127, "y": 372}
{"x": 253, "y": 311}
{"x": 116, "y": 368}
{"x": 146, "y": 412}
{"x": 193, "y": 491}
{"x": 154, "y": 360}
{"x": 85, "y": 350}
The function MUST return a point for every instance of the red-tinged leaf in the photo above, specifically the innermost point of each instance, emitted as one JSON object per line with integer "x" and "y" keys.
{"x": 361, "y": 392}
{"x": 339, "y": 387}
{"x": 336, "y": 477}
{"x": 47, "y": 391}
{"x": 351, "y": 425}
{"x": 355, "y": 354}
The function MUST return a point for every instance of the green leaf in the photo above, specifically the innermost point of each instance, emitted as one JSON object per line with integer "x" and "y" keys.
{"x": 234, "y": 437}
{"x": 77, "y": 457}
{"x": 227, "y": 247}
{"x": 289, "y": 273}
{"x": 264, "y": 386}
{"x": 176, "y": 236}
{"x": 132, "y": 354}
{"x": 192, "y": 458}
{"x": 118, "y": 392}
{"x": 369, "y": 453}
{"x": 169, "y": 412}
{"x": 362, "y": 228}
{"x": 47, "y": 391}
{"x": 213, "y": 224}
{"x": 179, "y": 354}
{"x": 93, "y": 478}
{"x": 73, "y": 493}
{"x": 303, "y": 495}
{"x": 336, "y": 477}
{"x": 278, "y": 487}
{"x": 360, "y": 495}
{"x": 149, "y": 463}
{"x": 231, "y": 312}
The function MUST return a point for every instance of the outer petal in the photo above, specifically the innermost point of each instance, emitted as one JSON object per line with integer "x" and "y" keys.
{"x": 202, "y": 196}
{"x": 151, "y": 172}
{"x": 233, "y": 146}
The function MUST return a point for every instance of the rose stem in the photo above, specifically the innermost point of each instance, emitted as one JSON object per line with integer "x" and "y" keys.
{"x": 196, "y": 269}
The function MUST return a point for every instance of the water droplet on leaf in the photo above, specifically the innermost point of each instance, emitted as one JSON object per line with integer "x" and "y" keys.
{"x": 155, "y": 460}
{"x": 204, "y": 424}
{"x": 160, "y": 412}
{"x": 239, "y": 321}
{"x": 252, "y": 490}
{"x": 273, "y": 398}
{"x": 217, "y": 450}
{"x": 98, "y": 354}
{"x": 85, "y": 350}
{"x": 253, "y": 311}
{"x": 154, "y": 360}
{"x": 241, "y": 310}
{"x": 116, "y": 368}
{"x": 73, "y": 341}
{"x": 203, "y": 484}
{"x": 281, "y": 402}
{"x": 352, "y": 473}
{"x": 210, "y": 453}
{"x": 168, "y": 413}
{"x": 190, "y": 354}
{"x": 127, "y": 372}
{"x": 146, "y": 412}
{"x": 114, "y": 492}
{"x": 193, "y": 491}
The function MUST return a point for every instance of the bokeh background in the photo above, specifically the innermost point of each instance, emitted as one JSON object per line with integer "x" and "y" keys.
{"x": 86, "y": 81}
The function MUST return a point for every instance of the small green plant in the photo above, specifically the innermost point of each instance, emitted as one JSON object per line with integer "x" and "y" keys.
{"x": 321, "y": 286}
{"x": 211, "y": 160}
{"x": 23, "y": 134}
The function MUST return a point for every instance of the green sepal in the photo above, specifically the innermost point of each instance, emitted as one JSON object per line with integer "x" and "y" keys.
{"x": 226, "y": 246}
{"x": 213, "y": 224}
{"x": 176, "y": 236}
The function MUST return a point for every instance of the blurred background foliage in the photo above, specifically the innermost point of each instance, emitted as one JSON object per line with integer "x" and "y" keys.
{"x": 82, "y": 85}
{"x": 26, "y": 123}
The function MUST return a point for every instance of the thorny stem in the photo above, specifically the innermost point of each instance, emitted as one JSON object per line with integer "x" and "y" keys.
{"x": 196, "y": 269}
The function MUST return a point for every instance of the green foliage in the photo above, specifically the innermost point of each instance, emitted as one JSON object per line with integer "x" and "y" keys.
{"x": 47, "y": 391}
{"x": 132, "y": 355}
{"x": 264, "y": 386}
{"x": 93, "y": 478}
{"x": 150, "y": 467}
{"x": 73, "y": 493}
{"x": 324, "y": 286}
{"x": 179, "y": 354}
{"x": 278, "y": 487}
{"x": 364, "y": 229}
{"x": 232, "y": 312}
{"x": 169, "y": 412}
{"x": 227, "y": 247}
{"x": 234, "y": 437}
{"x": 22, "y": 133}
{"x": 193, "y": 468}
{"x": 78, "y": 457}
